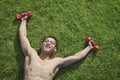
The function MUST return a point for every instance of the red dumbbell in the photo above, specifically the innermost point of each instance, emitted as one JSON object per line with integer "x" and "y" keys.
{"x": 95, "y": 46}
{"x": 88, "y": 39}
{"x": 19, "y": 16}
{"x": 29, "y": 13}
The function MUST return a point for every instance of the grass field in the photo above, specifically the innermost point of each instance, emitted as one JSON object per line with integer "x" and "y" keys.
{"x": 71, "y": 22}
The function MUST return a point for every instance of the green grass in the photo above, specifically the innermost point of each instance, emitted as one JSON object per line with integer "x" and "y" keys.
{"x": 70, "y": 21}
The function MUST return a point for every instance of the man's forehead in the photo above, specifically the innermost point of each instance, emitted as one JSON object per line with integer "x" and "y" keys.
{"x": 50, "y": 39}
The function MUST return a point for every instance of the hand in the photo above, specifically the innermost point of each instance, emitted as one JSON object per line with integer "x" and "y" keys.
{"x": 90, "y": 44}
{"x": 25, "y": 17}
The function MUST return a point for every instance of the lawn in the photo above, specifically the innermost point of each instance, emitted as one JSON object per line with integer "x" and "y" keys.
{"x": 71, "y": 22}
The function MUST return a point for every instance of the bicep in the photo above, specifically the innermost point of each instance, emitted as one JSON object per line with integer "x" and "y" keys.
{"x": 25, "y": 45}
{"x": 68, "y": 61}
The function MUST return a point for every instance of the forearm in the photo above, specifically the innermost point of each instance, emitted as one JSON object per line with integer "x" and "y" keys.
{"x": 83, "y": 53}
{"x": 22, "y": 29}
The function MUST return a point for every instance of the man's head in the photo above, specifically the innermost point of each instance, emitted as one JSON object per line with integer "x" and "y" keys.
{"x": 49, "y": 45}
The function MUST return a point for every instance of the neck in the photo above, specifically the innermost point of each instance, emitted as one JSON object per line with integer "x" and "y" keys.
{"x": 44, "y": 55}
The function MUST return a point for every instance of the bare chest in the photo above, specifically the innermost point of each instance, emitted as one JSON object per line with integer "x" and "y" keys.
{"x": 45, "y": 70}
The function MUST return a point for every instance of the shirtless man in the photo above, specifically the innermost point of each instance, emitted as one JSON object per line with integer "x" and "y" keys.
{"x": 42, "y": 66}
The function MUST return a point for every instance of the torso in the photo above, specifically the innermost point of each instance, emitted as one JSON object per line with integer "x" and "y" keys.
{"x": 38, "y": 69}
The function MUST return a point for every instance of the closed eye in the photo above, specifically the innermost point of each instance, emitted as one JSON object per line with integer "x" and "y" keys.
{"x": 52, "y": 42}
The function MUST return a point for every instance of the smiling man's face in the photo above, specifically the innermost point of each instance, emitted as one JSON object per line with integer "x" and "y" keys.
{"x": 49, "y": 45}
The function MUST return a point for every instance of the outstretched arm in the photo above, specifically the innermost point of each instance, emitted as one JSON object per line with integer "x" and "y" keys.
{"x": 24, "y": 42}
{"x": 75, "y": 58}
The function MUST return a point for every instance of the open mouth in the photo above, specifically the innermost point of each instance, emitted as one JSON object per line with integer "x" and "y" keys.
{"x": 47, "y": 46}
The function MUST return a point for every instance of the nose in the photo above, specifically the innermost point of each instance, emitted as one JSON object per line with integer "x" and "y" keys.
{"x": 48, "y": 42}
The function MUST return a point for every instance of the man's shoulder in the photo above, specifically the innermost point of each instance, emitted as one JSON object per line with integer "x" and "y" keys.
{"x": 57, "y": 59}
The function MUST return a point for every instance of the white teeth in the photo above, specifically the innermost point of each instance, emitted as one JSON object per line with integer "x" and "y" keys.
{"x": 47, "y": 46}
